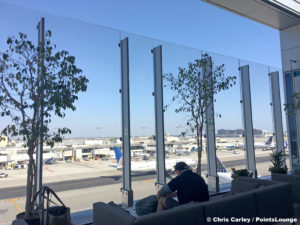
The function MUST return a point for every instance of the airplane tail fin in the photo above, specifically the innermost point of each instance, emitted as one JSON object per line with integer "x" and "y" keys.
{"x": 269, "y": 141}
{"x": 220, "y": 167}
{"x": 118, "y": 154}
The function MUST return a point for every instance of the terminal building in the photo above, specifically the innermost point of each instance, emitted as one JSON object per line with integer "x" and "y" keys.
{"x": 239, "y": 132}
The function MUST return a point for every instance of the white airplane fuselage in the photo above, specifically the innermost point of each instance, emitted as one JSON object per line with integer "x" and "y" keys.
{"x": 151, "y": 164}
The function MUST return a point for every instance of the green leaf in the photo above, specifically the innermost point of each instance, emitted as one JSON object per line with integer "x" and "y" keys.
{"x": 4, "y": 56}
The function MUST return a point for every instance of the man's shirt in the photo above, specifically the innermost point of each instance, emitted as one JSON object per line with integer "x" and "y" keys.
{"x": 190, "y": 186}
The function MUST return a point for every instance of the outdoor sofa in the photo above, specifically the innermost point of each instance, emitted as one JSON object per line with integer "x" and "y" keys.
{"x": 248, "y": 198}
{"x": 293, "y": 179}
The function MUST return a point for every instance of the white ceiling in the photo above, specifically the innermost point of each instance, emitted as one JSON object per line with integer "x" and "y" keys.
{"x": 291, "y": 5}
{"x": 279, "y": 14}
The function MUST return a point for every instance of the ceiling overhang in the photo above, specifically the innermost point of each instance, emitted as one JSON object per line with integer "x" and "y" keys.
{"x": 279, "y": 14}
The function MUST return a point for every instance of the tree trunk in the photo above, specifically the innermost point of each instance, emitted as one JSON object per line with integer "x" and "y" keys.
{"x": 29, "y": 189}
{"x": 199, "y": 143}
{"x": 200, "y": 153}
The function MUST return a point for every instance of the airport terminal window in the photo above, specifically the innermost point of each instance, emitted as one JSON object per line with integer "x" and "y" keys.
{"x": 291, "y": 122}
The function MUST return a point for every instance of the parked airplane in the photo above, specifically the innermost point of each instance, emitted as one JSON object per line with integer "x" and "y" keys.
{"x": 231, "y": 147}
{"x": 151, "y": 164}
{"x": 50, "y": 161}
{"x": 226, "y": 146}
{"x": 286, "y": 145}
{"x": 140, "y": 156}
{"x": 223, "y": 174}
{"x": 181, "y": 152}
{"x": 267, "y": 146}
{"x": 194, "y": 149}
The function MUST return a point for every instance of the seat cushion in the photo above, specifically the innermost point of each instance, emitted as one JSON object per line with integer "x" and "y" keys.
{"x": 275, "y": 200}
{"x": 297, "y": 172}
{"x": 260, "y": 182}
{"x": 189, "y": 214}
{"x": 217, "y": 197}
{"x": 19, "y": 222}
{"x": 104, "y": 214}
{"x": 297, "y": 210}
{"x": 239, "y": 186}
{"x": 240, "y": 205}
{"x": 293, "y": 179}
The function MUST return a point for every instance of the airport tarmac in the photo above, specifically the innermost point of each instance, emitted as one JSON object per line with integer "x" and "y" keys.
{"x": 80, "y": 184}
{"x": 64, "y": 171}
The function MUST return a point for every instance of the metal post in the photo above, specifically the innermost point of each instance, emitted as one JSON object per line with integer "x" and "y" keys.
{"x": 276, "y": 109}
{"x": 247, "y": 118}
{"x": 213, "y": 179}
{"x": 159, "y": 116}
{"x": 42, "y": 108}
{"x": 127, "y": 193}
{"x": 39, "y": 149}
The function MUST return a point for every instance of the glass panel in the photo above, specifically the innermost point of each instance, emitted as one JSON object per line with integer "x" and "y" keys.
{"x": 13, "y": 155}
{"x": 24, "y": 21}
{"x": 178, "y": 147}
{"x": 228, "y": 120}
{"x": 142, "y": 120}
{"x": 284, "y": 117}
{"x": 88, "y": 163}
{"x": 261, "y": 116}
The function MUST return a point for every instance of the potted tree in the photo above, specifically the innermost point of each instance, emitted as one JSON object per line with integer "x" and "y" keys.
{"x": 278, "y": 161}
{"x": 37, "y": 82}
{"x": 194, "y": 89}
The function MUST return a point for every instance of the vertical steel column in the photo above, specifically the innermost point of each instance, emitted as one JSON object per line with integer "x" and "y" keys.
{"x": 127, "y": 193}
{"x": 247, "y": 118}
{"x": 159, "y": 116}
{"x": 39, "y": 149}
{"x": 213, "y": 179}
{"x": 276, "y": 109}
{"x": 37, "y": 154}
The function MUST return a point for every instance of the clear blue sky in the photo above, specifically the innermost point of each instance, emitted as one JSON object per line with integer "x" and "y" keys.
{"x": 190, "y": 23}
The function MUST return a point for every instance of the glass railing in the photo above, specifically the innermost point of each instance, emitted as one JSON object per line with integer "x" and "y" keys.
{"x": 141, "y": 115}
{"x": 228, "y": 120}
{"x": 88, "y": 158}
{"x": 179, "y": 147}
{"x": 261, "y": 115}
{"x": 85, "y": 168}
{"x": 284, "y": 118}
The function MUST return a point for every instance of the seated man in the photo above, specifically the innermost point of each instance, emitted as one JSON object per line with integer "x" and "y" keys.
{"x": 188, "y": 186}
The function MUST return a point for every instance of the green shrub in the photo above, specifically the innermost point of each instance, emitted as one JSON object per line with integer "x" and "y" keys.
{"x": 278, "y": 161}
{"x": 241, "y": 173}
